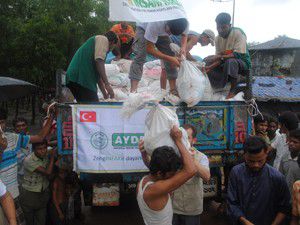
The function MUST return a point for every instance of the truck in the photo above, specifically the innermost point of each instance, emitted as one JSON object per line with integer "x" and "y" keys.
{"x": 222, "y": 129}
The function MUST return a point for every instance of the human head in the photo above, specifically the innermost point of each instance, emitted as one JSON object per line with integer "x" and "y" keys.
{"x": 294, "y": 141}
{"x": 288, "y": 121}
{"x": 20, "y": 125}
{"x": 261, "y": 123}
{"x": 40, "y": 149}
{"x": 223, "y": 24}
{"x": 191, "y": 132}
{"x": 255, "y": 153}
{"x": 164, "y": 163}
{"x": 112, "y": 39}
{"x": 207, "y": 37}
{"x": 124, "y": 25}
{"x": 177, "y": 26}
{"x": 3, "y": 118}
{"x": 272, "y": 126}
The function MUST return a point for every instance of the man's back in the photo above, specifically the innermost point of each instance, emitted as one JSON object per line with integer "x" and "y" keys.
{"x": 257, "y": 196}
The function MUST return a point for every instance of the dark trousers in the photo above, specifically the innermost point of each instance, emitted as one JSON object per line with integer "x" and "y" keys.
{"x": 185, "y": 220}
{"x": 228, "y": 70}
{"x": 34, "y": 205}
{"x": 82, "y": 94}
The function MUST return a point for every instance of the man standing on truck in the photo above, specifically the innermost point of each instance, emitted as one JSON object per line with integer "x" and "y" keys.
{"x": 188, "y": 198}
{"x": 153, "y": 192}
{"x": 153, "y": 38}
{"x": 87, "y": 69}
{"x": 232, "y": 57}
{"x": 257, "y": 193}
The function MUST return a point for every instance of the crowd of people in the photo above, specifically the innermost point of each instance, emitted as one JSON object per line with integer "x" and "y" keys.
{"x": 36, "y": 187}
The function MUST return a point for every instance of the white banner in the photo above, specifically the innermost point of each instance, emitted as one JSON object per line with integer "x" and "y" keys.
{"x": 145, "y": 10}
{"x": 106, "y": 143}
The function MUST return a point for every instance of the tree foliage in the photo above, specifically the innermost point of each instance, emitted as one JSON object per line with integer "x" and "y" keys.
{"x": 40, "y": 36}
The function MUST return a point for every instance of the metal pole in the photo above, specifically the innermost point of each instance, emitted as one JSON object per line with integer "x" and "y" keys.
{"x": 233, "y": 11}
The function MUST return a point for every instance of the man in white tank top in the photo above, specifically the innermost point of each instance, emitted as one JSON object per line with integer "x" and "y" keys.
{"x": 153, "y": 192}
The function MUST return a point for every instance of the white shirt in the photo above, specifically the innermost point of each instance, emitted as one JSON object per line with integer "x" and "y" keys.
{"x": 279, "y": 143}
{"x": 155, "y": 29}
{"x": 2, "y": 189}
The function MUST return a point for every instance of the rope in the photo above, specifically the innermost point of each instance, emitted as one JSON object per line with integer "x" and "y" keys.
{"x": 253, "y": 108}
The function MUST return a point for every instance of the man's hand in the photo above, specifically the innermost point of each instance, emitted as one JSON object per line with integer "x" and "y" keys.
{"x": 53, "y": 110}
{"x": 141, "y": 146}
{"x": 176, "y": 134}
{"x": 110, "y": 91}
{"x": 174, "y": 61}
{"x": 182, "y": 53}
{"x": 61, "y": 216}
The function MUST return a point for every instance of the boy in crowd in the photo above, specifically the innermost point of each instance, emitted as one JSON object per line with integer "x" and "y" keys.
{"x": 276, "y": 140}
{"x": 35, "y": 188}
{"x": 257, "y": 193}
{"x": 261, "y": 127}
{"x": 153, "y": 38}
{"x": 289, "y": 165}
{"x": 8, "y": 206}
{"x": 188, "y": 198}
{"x": 8, "y": 165}
{"x": 86, "y": 70}
{"x": 153, "y": 191}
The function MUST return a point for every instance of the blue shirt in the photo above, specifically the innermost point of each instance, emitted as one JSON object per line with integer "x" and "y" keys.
{"x": 257, "y": 196}
{"x": 177, "y": 38}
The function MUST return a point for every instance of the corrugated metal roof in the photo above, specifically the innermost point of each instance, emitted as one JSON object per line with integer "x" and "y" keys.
{"x": 285, "y": 89}
{"x": 281, "y": 42}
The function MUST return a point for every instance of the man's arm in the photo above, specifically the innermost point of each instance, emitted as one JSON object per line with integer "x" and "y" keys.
{"x": 55, "y": 200}
{"x": 145, "y": 156}
{"x": 202, "y": 171}
{"x": 9, "y": 209}
{"x": 183, "y": 43}
{"x": 279, "y": 218}
{"x": 46, "y": 128}
{"x": 3, "y": 142}
{"x": 47, "y": 171}
{"x": 100, "y": 65}
{"x": 167, "y": 186}
{"x": 158, "y": 54}
{"x": 234, "y": 208}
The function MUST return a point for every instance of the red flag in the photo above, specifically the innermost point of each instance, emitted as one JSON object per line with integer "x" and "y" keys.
{"x": 87, "y": 116}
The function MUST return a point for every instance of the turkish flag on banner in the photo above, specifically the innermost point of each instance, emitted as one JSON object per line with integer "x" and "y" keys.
{"x": 87, "y": 116}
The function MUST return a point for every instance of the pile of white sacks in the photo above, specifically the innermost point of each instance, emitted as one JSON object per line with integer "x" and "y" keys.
{"x": 191, "y": 89}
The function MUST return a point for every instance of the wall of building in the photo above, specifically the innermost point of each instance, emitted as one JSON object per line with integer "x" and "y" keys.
{"x": 276, "y": 62}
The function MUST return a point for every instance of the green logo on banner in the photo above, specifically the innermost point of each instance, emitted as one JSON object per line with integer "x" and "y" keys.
{"x": 126, "y": 139}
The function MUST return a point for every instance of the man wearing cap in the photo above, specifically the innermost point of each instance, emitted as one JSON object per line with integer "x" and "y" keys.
{"x": 205, "y": 38}
{"x": 232, "y": 56}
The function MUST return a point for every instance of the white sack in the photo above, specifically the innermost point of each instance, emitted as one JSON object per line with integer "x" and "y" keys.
{"x": 159, "y": 122}
{"x": 190, "y": 83}
{"x": 119, "y": 80}
{"x": 123, "y": 64}
{"x": 111, "y": 69}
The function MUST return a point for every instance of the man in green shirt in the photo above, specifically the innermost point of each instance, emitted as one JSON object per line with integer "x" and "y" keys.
{"x": 232, "y": 56}
{"x": 87, "y": 70}
{"x": 35, "y": 192}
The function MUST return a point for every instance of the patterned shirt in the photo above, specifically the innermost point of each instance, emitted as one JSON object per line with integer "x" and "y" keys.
{"x": 34, "y": 181}
{"x": 296, "y": 199}
{"x": 8, "y": 165}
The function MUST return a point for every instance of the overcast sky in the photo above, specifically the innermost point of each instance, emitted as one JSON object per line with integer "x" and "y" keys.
{"x": 262, "y": 20}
